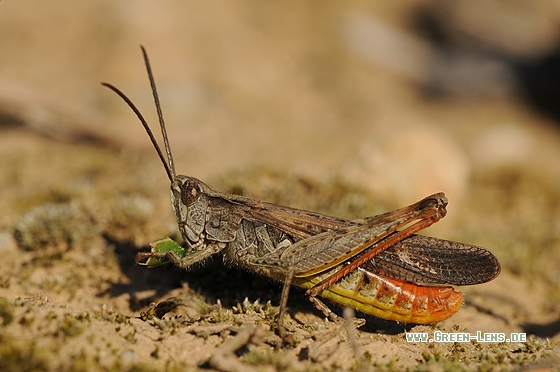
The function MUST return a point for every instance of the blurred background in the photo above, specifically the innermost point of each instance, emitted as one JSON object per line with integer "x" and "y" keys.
{"x": 405, "y": 98}
{"x": 402, "y": 98}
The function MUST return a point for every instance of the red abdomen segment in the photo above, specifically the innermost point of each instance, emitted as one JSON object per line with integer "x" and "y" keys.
{"x": 390, "y": 299}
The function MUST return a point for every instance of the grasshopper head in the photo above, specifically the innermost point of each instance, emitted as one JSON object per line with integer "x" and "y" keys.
{"x": 189, "y": 198}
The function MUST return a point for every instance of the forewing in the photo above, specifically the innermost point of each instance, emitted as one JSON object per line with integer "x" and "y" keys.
{"x": 427, "y": 260}
{"x": 416, "y": 259}
{"x": 297, "y": 223}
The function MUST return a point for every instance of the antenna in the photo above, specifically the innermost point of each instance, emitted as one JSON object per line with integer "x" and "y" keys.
{"x": 160, "y": 114}
{"x": 169, "y": 167}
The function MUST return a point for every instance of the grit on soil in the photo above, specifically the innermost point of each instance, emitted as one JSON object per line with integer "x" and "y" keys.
{"x": 268, "y": 101}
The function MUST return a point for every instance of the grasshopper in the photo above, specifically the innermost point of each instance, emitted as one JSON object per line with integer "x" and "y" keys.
{"x": 378, "y": 264}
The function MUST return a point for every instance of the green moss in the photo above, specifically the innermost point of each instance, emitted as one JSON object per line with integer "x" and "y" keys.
{"x": 389, "y": 366}
{"x": 16, "y": 356}
{"x": 111, "y": 315}
{"x": 131, "y": 337}
{"x": 220, "y": 314}
{"x": 55, "y": 228}
{"x": 72, "y": 326}
{"x": 168, "y": 324}
{"x": 6, "y": 312}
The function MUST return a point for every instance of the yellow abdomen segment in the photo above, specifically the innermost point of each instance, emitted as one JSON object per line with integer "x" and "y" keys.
{"x": 390, "y": 299}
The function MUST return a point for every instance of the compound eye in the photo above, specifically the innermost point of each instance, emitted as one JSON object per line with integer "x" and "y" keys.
{"x": 189, "y": 192}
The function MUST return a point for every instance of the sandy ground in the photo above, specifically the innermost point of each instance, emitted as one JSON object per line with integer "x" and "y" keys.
{"x": 291, "y": 103}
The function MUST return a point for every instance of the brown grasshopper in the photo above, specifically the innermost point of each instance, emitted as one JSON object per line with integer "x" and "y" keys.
{"x": 374, "y": 264}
